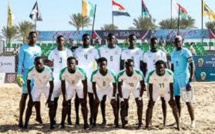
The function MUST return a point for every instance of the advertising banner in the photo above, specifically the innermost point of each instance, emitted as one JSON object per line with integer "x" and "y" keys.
{"x": 7, "y": 64}
{"x": 204, "y": 68}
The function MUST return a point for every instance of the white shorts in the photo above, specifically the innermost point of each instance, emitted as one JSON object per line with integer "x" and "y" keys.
{"x": 127, "y": 91}
{"x": 37, "y": 91}
{"x": 156, "y": 93}
{"x": 102, "y": 92}
{"x": 71, "y": 90}
{"x": 57, "y": 88}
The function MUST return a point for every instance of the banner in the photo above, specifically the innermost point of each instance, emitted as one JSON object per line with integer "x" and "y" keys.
{"x": 205, "y": 75}
{"x": 204, "y": 68}
{"x": 123, "y": 34}
{"x": 52, "y": 35}
{"x": 7, "y": 64}
{"x": 186, "y": 34}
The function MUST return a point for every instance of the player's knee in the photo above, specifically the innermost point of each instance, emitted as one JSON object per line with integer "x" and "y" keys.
{"x": 83, "y": 104}
{"x": 140, "y": 104}
{"x": 123, "y": 106}
{"x": 51, "y": 105}
{"x": 30, "y": 104}
{"x": 150, "y": 105}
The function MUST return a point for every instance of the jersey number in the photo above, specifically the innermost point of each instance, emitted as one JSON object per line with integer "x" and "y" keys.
{"x": 111, "y": 58}
{"x": 60, "y": 60}
{"x": 104, "y": 83}
{"x": 161, "y": 85}
{"x": 86, "y": 56}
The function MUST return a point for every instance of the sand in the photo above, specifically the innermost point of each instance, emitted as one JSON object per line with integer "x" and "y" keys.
{"x": 204, "y": 112}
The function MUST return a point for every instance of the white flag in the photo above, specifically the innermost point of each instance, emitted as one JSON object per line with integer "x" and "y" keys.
{"x": 35, "y": 13}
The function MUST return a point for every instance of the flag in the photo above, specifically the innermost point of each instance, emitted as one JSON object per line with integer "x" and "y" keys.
{"x": 208, "y": 12}
{"x": 35, "y": 13}
{"x": 183, "y": 12}
{"x": 119, "y": 10}
{"x": 10, "y": 17}
{"x": 88, "y": 9}
{"x": 178, "y": 9}
{"x": 145, "y": 11}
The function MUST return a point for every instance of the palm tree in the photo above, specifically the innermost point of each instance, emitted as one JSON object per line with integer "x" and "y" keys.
{"x": 142, "y": 23}
{"x": 167, "y": 24}
{"x": 79, "y": 21}
{"x": 109, "y": 27}
{"x": 210, "y": 25}
{"x": 24, "y": 28}
{"x": 9, "y": 33}
{"x": 184, "y": 23}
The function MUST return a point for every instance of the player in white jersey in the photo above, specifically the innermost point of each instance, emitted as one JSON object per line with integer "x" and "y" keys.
{"x": 112, "y": 53}
{"x": 128, "y": 82}
{"x": 132, "y": 52}
{"x": 43, "y": 84}
{"x": 86, "y": 56}
{"x": 161, "y": 85}
{"x": 73, "y": 80}
{"x": 104, "y": 83}
{"x": 59, "y": 56}
{"x": 149, "y": 59}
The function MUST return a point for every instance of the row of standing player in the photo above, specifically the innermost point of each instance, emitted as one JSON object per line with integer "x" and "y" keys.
{"x": 86, "y": 56}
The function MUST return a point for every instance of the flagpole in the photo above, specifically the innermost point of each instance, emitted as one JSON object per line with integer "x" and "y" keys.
{"x": 202, "y": 18}
{"x": 178, "y": 19}
{"x": 94, "y": 17}
{"x": 171, "y": 14}
{"x": 35, "y": 22}
{"x": 112, "y": 17}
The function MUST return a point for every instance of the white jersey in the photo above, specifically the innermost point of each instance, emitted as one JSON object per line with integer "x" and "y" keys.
{"x": 161, "y": 82}
{"x": 151, "y": 58}
{"x": 131, "y": 82}
{"x": 135, "y": 54}
{"x": 74, "y": 79}
{"x": 103, "y": 82}
{"x": 41, "y": 79}
{"x": 59, "y": 59}
{"x": 113, "y": 57}
{"x": 87, "y": 58}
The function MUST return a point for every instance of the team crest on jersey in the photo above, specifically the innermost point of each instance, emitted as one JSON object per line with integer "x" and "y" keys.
{"x": 107, "y": 79}
{"x": 44, "y": 77}
{"x": 77, "y": 77}
{"x": 135, "y": 78}
{"x": 165, "y": 80}
{"x": 137, "y": 53}
{"x": 116, "y": 53}
{"x": 90, "y": 51}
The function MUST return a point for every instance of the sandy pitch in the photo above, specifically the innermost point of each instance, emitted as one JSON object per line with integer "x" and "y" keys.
{"x": 204, "y": 113}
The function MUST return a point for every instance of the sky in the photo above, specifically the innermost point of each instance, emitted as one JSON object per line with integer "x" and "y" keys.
{"x": 56, "y": 13}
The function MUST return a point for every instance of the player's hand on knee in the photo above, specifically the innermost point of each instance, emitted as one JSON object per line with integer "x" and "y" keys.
{"x": 20, "y": 80}
{"x": 188, "y": 87}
